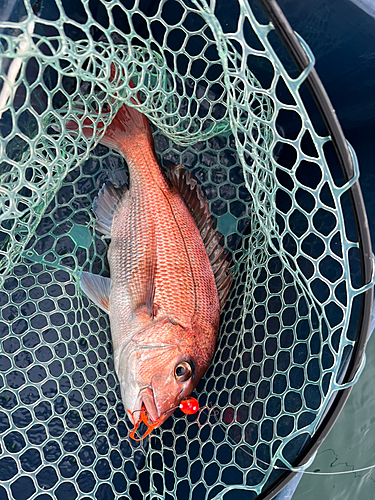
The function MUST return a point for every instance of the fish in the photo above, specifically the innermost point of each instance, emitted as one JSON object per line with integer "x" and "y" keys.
{"x": 169, "y": 274}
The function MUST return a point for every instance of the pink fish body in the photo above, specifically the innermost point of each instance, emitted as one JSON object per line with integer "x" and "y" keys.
{"x": 165, "y": 292}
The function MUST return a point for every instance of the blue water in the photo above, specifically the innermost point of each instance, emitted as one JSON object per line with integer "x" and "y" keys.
{"x": 350, "y": 445}
{"x": 342, "y": 38}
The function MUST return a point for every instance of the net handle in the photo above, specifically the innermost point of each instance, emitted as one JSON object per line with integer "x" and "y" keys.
{"x": 326, "y": 110}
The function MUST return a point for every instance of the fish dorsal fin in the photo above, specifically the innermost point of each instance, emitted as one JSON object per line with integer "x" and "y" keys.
{"x": 104, "y": 207}
{"x": 97, "y": 288}
{"x": 196, "y": 202}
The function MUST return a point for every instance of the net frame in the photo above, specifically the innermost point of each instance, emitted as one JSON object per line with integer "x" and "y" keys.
{"x": 74, "y": 154}
{"x": 297, "y": 52}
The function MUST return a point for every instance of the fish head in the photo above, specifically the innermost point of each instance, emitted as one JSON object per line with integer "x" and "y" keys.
{"x": 159, "y": 374}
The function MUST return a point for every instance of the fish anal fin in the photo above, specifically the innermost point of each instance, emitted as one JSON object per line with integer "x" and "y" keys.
{"x": 184, "y": 182}
{"x": 97, "y": 288}
{"x": 104, "y": 207}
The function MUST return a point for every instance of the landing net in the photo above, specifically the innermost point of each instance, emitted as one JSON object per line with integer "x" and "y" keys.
{"x": 224, "y": 102}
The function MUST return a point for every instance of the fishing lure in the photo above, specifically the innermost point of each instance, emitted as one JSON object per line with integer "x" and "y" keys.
{"x": 144, "y": 418}
{"x": 189, "y": 406}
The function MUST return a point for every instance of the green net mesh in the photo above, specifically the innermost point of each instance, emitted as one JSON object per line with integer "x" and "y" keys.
{"x": 223, "y": 104}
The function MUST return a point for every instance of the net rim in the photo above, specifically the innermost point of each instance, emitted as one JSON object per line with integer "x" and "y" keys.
{"x": 345, "y": 157}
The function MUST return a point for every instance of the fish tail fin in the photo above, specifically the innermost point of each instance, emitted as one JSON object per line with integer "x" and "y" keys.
{"x": 128, "y": 126}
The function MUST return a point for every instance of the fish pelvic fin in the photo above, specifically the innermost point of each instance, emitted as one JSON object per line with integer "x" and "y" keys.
{"x": 97, "y": 288}
{"x": 104, "y": 207}
{"x": 196, "y": 202}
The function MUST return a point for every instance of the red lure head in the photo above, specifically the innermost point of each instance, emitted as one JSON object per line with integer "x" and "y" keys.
{"x": 189, "y": 406}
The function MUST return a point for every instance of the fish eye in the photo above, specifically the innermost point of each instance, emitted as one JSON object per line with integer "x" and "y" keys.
{"x": 183, "y": 371}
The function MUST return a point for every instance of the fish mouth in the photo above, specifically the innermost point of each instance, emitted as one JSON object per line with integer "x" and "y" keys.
{"x": 146, "y": 402}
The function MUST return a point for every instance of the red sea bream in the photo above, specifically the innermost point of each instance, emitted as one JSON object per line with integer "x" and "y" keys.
{"x": 169, "y": 275}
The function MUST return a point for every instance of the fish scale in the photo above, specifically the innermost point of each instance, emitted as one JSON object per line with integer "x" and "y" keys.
{"x": 162, "y": 297}
{"x": 174, "y": 283}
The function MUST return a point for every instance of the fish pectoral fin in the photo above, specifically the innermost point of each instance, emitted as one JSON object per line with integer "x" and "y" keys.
{"x": 97, "y": 288}
{"x": 147, "y": 312}
{"x": 144, "y": 305}
{"x": 142, "y": 287}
